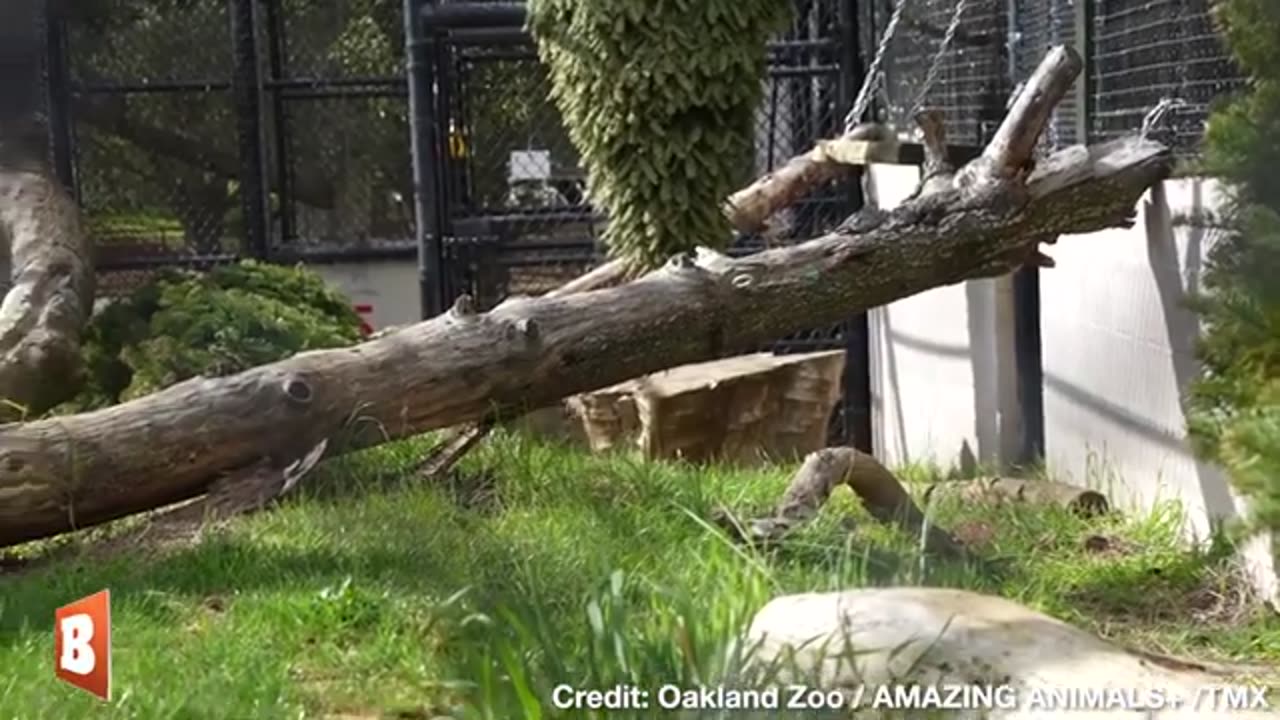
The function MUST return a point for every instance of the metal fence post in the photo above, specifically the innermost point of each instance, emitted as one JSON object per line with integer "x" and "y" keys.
{"x": 420, "y": 66}
{"x": 857, "y": 336}
{"x": 276, "y": 58}
{"x": 62, "y": 137}
{"x": 246, "y": 87}
{"x": 1028, "y": 360}
{"x": 1084, "y": 85}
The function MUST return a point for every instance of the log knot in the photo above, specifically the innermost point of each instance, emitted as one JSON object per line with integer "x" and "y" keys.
{"x": 464, "y": 308}
{"x": 528, "y": 328}
{"x": 297, "y": 391}
{"x": 682, "y": 261}
{"x": 525, "y": 329}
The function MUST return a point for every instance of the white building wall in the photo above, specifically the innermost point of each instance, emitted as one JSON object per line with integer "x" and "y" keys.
{"x": 941, "y": 365}
{"x": 1118, "y": 342}
{"x": 1119, "y": 354}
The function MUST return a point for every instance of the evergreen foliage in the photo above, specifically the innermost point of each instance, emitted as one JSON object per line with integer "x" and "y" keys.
{"x": 659, "y": 97}
{"x": 1234, "y": 413}
{"x": 185, "y": 324}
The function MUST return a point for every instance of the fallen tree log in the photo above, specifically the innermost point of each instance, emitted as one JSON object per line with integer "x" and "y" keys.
{"x": 1080, "y": 500}
{"x": 68, "y": 472}
{"x": 1009, "y": 662}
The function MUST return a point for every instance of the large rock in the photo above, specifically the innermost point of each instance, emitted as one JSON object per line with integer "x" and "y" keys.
{"x": 741, "y": 409}
{"x": 1003, "y": 660}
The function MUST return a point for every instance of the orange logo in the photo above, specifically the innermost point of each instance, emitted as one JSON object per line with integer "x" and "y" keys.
{"x": 82, "y": 643}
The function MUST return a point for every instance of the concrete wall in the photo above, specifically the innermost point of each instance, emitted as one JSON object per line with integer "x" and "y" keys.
{"x": 1118, "y": 346}
{"x": 1119, "y": 355}
{"x": 942, "y": 364}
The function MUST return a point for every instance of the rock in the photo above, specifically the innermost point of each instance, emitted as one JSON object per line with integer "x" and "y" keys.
{"x": 1018, "y": 664}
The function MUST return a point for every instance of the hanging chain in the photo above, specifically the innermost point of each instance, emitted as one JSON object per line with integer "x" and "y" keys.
{"x": 874, "y": 75}
{"x": 1157, "y": 113}
{"x": 1168, "y": 103}
{"x": 872, "y": 79}
{"x": 935, "y": 67}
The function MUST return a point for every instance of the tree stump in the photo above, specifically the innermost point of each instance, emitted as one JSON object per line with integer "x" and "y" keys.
{"x": 741, "y": 410}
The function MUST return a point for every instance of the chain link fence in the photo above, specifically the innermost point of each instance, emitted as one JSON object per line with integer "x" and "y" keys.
{"x": 152, "y": 134}
{"x": 1144, "y": 50}
{"x": 157, "y": 136}
{"x": 972, "y": 83}
{"x": 170, "y": 136}
{"x": 336, "y": 103}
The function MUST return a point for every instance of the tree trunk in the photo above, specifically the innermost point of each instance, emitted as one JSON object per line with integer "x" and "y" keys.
{"x": 46, "y": 274}
{"x": 78, "y": 470}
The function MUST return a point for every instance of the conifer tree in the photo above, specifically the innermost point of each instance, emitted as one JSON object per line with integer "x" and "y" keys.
{"x": 659, "y": 97}
{"x": 1234, "y": 413}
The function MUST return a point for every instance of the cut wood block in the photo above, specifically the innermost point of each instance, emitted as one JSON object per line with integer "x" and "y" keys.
{"x": 846, "y": 151}
{"x": 743, "y": 409}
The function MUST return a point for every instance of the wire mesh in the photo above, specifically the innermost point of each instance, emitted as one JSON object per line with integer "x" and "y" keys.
{"x": 154, "y": 139}
{"x": 338, "y": 127}
{"x": 159, "y": 137}
{"x": 348, "y": 167}
{"x": 1038, "y": 26}
{"x": 973, "y": 83}
{"x": 515, "y": 188}
{"x": 1145, "y": 50}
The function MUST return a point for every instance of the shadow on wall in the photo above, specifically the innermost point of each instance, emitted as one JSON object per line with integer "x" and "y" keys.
{"x": 1172, "y": 328}
{"x": 1181, "y": 323}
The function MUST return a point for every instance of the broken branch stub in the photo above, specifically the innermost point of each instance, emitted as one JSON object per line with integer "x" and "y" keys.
{"x": 882, "y": 494}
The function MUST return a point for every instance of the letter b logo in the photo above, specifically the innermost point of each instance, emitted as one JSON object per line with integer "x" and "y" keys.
{"x": 82, "y": 644}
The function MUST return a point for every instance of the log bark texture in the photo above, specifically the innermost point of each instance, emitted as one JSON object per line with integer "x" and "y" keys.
{"x": 46, "y": 273}
{"x": 995, "y": 490}
{"x": 73, "y": 471}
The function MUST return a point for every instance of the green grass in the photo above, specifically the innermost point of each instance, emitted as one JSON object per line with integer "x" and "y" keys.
{"x": 376, "y": 596}
{"x": 125, "y": 227}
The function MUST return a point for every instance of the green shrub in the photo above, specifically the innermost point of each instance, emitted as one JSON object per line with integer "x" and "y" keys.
{"x": 185, "y": 324}
{"x": 660, "y": 99}
{"x": 1234, "y": 413}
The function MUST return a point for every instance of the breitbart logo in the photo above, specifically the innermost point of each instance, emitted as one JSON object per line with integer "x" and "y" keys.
{"x": 82, "y": 643}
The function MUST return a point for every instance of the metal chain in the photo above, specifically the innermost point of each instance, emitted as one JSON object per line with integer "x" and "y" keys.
{"x": 935, "y": 67}
{"x": 874, "y": 75}
{"x": 1157, "y": 113}
{"x": 872, "y": 79}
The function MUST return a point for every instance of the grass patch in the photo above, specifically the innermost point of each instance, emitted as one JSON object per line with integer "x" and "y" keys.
{"x": 376, "y": 596}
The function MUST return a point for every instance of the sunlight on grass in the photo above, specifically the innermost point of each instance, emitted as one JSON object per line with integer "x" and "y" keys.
{"x": 376, "y": 594}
